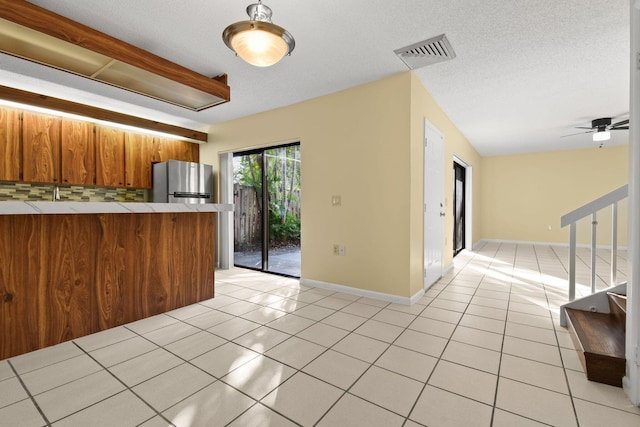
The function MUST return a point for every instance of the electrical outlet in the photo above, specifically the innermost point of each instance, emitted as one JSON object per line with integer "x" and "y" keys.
{"x": 342, "y": 250}
{"x": 336, "y": 249}
{"x": 336, "y": 200}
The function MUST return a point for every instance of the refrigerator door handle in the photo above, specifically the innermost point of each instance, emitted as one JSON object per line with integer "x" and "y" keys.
{"x": 191, "y": 195}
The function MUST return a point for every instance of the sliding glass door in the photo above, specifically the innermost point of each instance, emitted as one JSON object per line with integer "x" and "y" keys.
{"x": 267, "y": 209}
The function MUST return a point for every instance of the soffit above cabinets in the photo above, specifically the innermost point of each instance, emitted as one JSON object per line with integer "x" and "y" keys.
{"x": 24, "y": 99}
{"x": 36, "y": 34}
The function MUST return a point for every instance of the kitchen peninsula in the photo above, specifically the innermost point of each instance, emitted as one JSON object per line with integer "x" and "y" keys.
{"x": 69, "y": 269}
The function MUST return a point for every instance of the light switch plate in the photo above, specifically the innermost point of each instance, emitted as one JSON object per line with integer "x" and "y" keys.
{"x": 336, "y": 200}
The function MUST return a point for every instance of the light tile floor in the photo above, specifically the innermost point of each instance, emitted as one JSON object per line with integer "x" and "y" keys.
{"x": 483, "y": 347}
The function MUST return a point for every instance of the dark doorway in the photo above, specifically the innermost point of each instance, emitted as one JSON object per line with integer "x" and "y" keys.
{"x": 459, "y": 231}
{"x": 266, "y": 187}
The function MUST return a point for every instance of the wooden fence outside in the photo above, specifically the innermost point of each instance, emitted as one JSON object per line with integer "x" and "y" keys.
{"x": 247, "y": 234}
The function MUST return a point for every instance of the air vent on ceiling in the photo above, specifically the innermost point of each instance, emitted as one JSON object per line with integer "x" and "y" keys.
{"x": 427, "y": 52}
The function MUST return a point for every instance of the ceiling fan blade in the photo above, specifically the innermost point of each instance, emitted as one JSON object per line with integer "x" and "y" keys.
{"x": 620, "y": 123}
{"x": 619, "y": 128}
{"x": 583, "y": 127}
{"x": 579, "y": 133}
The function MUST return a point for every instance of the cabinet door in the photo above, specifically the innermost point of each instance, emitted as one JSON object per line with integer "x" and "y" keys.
{"x": 137, "y": 163}
{"x": 9, "y": 145}
{"x": 109, "y": 157}
{"x": 66, "y": 270}
{"x": 163, "y": 150}
{"x": 78, "y": 156}
{"x": 40, "y": 148}
{"x": 19, "y": 296}
{"x": 170, "y": 149}
{"x": 187, "y": 151}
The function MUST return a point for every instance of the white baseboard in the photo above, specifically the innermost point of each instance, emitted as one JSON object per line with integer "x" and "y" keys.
{"x": 447, "y": 270}
{"x": 482, "y": 242}
{"x": 396, "y": 299}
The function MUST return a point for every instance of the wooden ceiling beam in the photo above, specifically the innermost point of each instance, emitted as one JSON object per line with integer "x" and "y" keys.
{"x": 44, "y": 21}
{"x": 57, "y": 104}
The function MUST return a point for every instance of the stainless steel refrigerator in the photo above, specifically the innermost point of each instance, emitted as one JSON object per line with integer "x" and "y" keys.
{"x": 182, "y": 182}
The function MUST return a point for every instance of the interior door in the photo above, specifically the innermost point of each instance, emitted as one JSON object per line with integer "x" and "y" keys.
{"x": 433, "y": 204}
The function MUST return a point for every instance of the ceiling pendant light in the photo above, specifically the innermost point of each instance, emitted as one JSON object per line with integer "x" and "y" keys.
{"x": 258, "y": 41}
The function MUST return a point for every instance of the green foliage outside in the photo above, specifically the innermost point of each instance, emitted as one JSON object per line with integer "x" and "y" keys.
{"x": 283, "y": 185}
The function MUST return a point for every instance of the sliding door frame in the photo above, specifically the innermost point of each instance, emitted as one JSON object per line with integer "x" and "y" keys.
{"x": 264, "y": 220}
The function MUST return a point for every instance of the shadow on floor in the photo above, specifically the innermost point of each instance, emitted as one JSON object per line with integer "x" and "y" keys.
{"x": 281, "y": 260}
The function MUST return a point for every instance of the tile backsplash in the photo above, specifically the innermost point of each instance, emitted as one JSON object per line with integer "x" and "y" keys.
{"x": 19, "y": 191}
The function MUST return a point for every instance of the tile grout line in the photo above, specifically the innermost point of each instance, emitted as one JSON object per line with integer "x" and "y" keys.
{"x": 331, "y": 348}
{"x": 31, "y": 397}
{"x": 121, "y": 382}
{"x": 269, "y": 357}
{"x": 344, "y": 392}
{"x": 439, "y": 358}
{"x": 495, "y": 402}
{"x": 501, "y": 353}
{"x": 519, "y": 381}
{"x": 308, "y": 363}
{"x": 189, "y": 362}
{"x": 497, "y": 375}
{"x": 564, "y": 369}
{"x": 504, "y": 334}
{"x": 350, "y": 333}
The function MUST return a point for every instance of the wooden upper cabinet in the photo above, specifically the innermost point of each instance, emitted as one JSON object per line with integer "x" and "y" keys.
{"x": 162, "y": 150}
{"x": 187, "y": 151}
{"x": 40, "y": 148}
{"x": 170, "y": 149}
{"x": 109, "y": 157}
{"x": 138, "y": 154}
{"x": 9, "y": 144}
{"x": 78, "y": 155}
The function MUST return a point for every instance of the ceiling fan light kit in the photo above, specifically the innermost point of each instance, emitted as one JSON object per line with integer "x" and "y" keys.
{"x": 601, "y": 136}
{"x": 258, "y": 41}
{"x": 601, "y": 128}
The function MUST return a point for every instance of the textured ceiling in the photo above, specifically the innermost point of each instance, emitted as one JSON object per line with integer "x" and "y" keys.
{"x": 526, "y": 71}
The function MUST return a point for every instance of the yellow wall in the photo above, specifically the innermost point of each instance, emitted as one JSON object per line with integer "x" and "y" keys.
{"x": 364, "y": 144}
{"x": 354, "y": 143}
{"x": 524, "y": 196}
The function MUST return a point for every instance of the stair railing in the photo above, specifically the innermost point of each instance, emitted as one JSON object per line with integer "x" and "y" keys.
{"x": 591, "y": 208}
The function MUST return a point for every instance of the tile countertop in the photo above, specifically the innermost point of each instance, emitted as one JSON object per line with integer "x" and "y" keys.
{"x": 24, "y": 208}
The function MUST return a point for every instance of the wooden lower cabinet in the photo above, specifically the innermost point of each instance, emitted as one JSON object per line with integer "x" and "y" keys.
{"x": 19, "y": 286}
{"x": 66, "y": 276}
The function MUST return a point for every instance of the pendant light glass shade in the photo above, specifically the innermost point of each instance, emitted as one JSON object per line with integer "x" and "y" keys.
{"x": 258, "y": 41}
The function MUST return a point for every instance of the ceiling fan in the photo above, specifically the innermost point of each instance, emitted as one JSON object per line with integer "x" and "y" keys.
{"x": 601, "y": 128}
